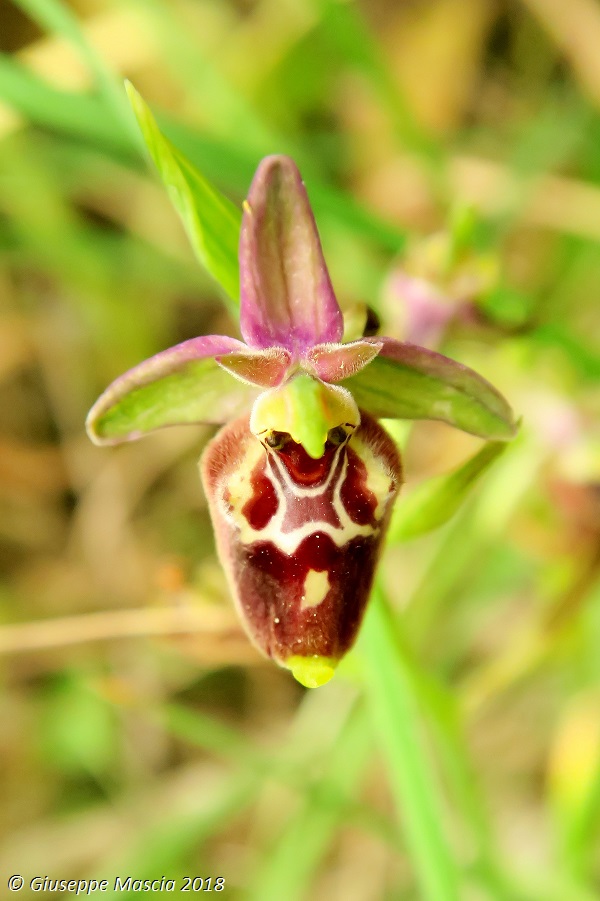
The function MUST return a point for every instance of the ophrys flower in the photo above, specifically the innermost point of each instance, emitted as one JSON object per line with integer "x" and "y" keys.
{"x": 302, "y": 480}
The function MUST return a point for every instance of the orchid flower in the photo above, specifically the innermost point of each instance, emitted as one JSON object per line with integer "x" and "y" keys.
{"x": 302, "y": 478}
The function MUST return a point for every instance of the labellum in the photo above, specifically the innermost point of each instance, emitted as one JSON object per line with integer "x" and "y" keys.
{"x": 299, "y": 537}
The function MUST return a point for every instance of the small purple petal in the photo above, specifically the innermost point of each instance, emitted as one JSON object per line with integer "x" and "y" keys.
{"x": 266, "y": 368}
{"x": 334, "y": 362}
{"x": 286, "y": 295}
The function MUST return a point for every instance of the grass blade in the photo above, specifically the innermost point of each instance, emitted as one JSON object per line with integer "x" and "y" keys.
{"x": 392, "y": 697}
{"x": 212, "y": 222}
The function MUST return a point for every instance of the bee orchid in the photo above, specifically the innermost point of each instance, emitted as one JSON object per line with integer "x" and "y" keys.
{"x": 302, "y": 478}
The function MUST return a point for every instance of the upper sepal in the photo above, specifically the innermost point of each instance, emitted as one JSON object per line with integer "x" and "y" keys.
{"x": 286, "y": 295}
{"x": 405, "y": 381}
{"x": 183, "y": 384}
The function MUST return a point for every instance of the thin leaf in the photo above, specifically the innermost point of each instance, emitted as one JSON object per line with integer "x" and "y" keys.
{"x": 392, "y": 695}
{"x": 435, "y": 501}
{"x": 409, "y": 382}
{"x": 212, "y": 222}
{"x": 87, "y": 118}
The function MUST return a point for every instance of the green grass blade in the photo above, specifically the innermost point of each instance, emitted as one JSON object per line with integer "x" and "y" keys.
{"x": 392, "y": 696}
{"x": 74, "y": 114}
{"x": 436, "y": 501}
{"x": 288, "y": 867}
{"x": 212, "y": 222}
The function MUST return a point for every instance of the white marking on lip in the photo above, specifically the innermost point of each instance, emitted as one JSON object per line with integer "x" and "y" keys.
{"x": 379, "y": 480}
{"x": 316, "y": 587}
{"x": 239, "y": 487}
{"x": 239, "y": 491}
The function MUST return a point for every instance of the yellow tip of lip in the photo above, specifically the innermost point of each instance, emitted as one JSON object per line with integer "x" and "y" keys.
{"x": 312, "y": 672}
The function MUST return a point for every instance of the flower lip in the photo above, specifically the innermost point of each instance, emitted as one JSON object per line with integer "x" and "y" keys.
{"x": 304, "y": 469}
{"x": 286, "y": 294}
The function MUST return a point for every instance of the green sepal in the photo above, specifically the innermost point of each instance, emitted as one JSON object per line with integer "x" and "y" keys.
{"x": 409, "y": 382}
{"x": 211, "y": 221}
{"x": 199, "y": 391}
{"x": 434, "y": 502}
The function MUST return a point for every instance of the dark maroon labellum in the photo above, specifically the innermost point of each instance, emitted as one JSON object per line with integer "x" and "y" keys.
{"x": 299, "y": 538}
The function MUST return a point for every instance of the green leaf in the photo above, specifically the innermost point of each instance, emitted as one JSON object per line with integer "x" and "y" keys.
{"x": 409, "y": 382}
{"x": 434, "y": 502}
{"x": 392, "y": 693}
{"x": 212, "y": 222}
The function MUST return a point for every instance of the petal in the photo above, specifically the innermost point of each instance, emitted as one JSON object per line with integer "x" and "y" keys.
{"x": 183, "y": 384}
{"x": 266, "y": 368}
{"x": 306, "y": 409}
{"x": 334, "y": 362}
{"x": 409, "y": 382}
{"x": 286, "y": 295}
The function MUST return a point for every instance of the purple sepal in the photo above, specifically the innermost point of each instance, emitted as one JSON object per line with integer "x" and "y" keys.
{"x": 286, "y": 295}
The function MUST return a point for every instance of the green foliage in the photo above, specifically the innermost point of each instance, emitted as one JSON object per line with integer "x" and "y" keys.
{"x": 212, "y": 222}
{"x": 456, "y": 753}
{"x": 436, "y": 501}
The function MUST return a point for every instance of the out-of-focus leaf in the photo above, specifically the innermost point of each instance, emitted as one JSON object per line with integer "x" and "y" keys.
{"x": 212, "y": 222}
{"x": 58, "y": 19}
{"x": 79, "y": 730}
{"x": 392, "y": 694}
{"x": 435, "y": 501}
{"x": 74, "y": 114}
{"x": 409, "y": 382}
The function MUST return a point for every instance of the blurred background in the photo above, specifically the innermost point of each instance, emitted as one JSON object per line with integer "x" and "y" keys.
{"x": 451, "y": 149}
